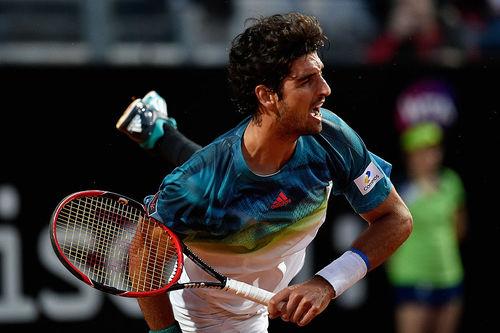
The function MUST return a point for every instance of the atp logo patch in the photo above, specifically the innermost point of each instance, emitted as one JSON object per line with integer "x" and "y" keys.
{"x": 368, "y": 178}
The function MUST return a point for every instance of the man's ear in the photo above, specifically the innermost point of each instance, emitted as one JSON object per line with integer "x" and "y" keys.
{"x": 266, "y": 97}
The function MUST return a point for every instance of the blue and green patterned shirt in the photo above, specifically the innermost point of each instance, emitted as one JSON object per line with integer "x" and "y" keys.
{"x": 247, "y": 225}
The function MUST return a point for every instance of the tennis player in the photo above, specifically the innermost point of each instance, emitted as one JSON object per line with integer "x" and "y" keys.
{"x": 251, "y": 201}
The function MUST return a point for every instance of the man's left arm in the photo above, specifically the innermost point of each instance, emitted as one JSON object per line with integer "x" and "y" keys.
{"x": 389, "y": 225}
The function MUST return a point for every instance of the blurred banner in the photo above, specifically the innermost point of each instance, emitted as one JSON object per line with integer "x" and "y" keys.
{"x": 58, "y": 136}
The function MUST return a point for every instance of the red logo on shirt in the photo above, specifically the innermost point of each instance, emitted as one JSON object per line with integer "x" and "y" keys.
{"x": 280, "y": 201}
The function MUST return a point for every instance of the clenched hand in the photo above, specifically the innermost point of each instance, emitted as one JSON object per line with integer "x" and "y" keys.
{"x": 302, "y": 302}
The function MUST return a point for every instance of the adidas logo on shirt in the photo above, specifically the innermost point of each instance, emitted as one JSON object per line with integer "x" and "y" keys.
{"x": 280, "y": 201}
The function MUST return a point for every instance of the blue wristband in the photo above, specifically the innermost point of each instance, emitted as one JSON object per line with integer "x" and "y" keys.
{"x": 174, "y": 328}
{"x": 362, "y": 255}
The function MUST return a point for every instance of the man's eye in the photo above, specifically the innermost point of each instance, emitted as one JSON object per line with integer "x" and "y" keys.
{"x": 305, "y": 80}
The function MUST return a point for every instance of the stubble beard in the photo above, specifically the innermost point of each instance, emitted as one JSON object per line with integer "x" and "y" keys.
{"x": 291, "y": 125}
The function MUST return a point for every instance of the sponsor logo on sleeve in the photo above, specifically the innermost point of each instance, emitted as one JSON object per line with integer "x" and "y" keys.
{"x": 368, "y": 178}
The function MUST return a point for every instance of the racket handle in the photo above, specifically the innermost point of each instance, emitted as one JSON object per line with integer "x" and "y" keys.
{"x": 248, "y": 291}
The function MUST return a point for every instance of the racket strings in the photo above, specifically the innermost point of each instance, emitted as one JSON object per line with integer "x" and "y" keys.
{"x": 92, "y": 245}
{"x": 103, "y": 239}
{"x": 156, "y": 266}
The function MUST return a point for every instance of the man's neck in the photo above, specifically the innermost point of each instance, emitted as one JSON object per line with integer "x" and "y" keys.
{"x": 265, "y": 149}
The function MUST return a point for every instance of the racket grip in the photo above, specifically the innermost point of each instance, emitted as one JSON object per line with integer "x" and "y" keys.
{"x": 248, "y": 291}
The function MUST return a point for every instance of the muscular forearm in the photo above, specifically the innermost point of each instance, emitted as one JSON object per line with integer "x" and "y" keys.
{"x": 157, "y": 311}
{"x": 381, "y": 239}
{"x": 385, "y": 233}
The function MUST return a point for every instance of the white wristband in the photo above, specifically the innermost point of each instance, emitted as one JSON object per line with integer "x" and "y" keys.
{"x": 344, "y": 272}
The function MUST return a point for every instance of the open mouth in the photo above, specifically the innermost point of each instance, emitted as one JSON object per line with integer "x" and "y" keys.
{"x": 316, "y": 111}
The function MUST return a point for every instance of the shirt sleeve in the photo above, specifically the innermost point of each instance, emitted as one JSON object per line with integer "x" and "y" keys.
{"x": 186, "y": 202}
{"x": 363, "y": 176}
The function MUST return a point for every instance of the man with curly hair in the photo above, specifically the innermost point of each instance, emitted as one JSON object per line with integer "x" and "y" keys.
{"x": 251, "y": 201}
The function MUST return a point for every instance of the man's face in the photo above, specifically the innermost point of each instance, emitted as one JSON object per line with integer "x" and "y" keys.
{"x": 304, "y": 92}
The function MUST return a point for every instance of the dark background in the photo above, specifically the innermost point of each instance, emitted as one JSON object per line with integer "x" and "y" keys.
{"x": 58, "y": 136}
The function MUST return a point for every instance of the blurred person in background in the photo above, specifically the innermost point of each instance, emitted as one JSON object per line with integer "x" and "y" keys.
{"x": 489, "y": 43}
{"x": 425, "y": 31}
{"x": 427, "y": 271}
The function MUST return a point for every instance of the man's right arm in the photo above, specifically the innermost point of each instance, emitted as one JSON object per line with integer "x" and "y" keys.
{"x": 157, "y": 311}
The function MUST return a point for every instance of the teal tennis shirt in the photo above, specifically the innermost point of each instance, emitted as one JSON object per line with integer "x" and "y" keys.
{"x": 256, "y": 228}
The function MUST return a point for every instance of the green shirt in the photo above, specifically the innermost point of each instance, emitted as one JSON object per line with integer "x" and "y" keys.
{"x": 430, "y": 256}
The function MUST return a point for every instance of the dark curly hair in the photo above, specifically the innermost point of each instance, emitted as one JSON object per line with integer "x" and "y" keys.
{"x": 264, "y": 52}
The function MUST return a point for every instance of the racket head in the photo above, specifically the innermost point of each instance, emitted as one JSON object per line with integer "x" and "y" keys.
{"x": 108, "y": 241}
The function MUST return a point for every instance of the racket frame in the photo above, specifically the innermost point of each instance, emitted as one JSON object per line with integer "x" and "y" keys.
{"x": 95, "y": 284}
{"x": 224, "y": 283}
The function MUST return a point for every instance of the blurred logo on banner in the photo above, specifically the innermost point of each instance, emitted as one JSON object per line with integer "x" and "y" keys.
{"x": 424, "y": 101}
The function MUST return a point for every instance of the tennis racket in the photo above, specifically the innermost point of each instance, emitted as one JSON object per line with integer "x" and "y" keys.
{"x": 109, "y": 242}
